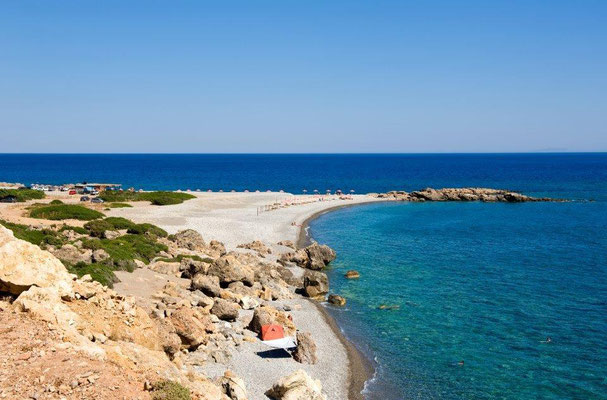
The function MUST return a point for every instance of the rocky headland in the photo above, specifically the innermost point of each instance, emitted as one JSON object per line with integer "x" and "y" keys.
{"x": 460, "y": 194}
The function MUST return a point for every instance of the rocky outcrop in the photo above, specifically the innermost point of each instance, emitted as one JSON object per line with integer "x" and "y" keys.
{"x": 314, "y": 257}
{"x": 461, "y": 194}
{"x": 268, "y": 315}
{"x": 23, "y": 265}
{"x": 189, "y": 239}
{"x": 305, "y": 352}
{"x": 297, "y": 386}
{"x": 257, "y": 246}
{"x": 316, "y": 284}
{"x": 167, "y": 268}
{"x": 287, "y": 243}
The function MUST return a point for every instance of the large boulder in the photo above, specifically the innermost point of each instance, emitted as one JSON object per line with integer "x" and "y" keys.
{"x": 297, "y": 386}
{"x": 225, "y": 310}
{"x": 23, "y": 265}
{"x": 190, "y": 267}
{"x": 315, "y": 257}
{"x": 319, "y": 256}
{"x": 73, "y": 255}
{"x": 305, "y": 352}
{"x": 189, "y": 239}
{"x": 233, "y": 386}
{"x": 316, "y": 284}
{"x": 268, "y": 315}
{"x": 167, "y": 268}
{"x": 191, "y": 326}
{"x": 229, "y": 268}
{"x": 207, "y": 284}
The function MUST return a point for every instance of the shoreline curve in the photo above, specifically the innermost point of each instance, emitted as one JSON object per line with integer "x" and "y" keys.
{"x": 362, "y": 369}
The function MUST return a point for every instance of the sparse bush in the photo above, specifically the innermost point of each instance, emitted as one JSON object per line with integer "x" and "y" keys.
{"x": 140, "y": 229}
{"x": 40, "y": 237}
{"x": 65, "y": 211}
{"x": 97, "y": 227}
{"x": 120, "y": 223}
{"x": 22, "y": 194}
{"x": 159, "y": 198}
{"x": 170, "y": 390}
{"x": 99, "y": 272}
{"x": 119, "y": 205}
{"x": 55, "y": 202}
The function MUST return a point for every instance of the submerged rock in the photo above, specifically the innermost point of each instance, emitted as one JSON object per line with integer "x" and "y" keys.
{"x": 352, "y": 274}
{"x": 337, "y": 300}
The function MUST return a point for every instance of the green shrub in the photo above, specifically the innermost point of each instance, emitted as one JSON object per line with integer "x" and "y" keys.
{"x": 127, "y": 248}
{"x": 140, "y": 229}
{"x": 170, "y": 390}
{"x": 99, "y": 272}
{"x": 159, "y": 198}
{"x": 65, "y": 211}
{"x": 40, "y": 237}
{"x": 54, "y": 202}
{"x": 97, "y": 227}
{"x": 76, "y": 229}
{"x": 180, "y": 257}
{"x": 119, "y": 205}
{"x": 22, "y": 194}
{"x": 120, "y": 223}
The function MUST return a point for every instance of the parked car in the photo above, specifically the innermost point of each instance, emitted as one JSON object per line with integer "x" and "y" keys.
{"x": 72, "y": 192}
{"x": 85, "y": 198}
{"x": 96, "y": 200}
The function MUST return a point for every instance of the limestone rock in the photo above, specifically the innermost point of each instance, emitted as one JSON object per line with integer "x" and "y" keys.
{"x": 167, "y": 268}
{"x": 287, "y": 243}
{"x": 100, "y": 255}
{"x": 319, "y": 256}
{"x": 352, "y": 274}
{"x": 316, "y": 284}
{"x": 233, "y": 386}
{"x": 191, "y": 326}
{"x": 189, "y": 239}
{"x": 229, "y": 268}
{"x": 23, "y": 265}
{"x": 225, "y": 310}
{"x": 305, "y": 352}
{"x": 207, "y": 284}
{"x": 257, "y": 246}
{"x": 268, "y": 315}
{"x": 337, "y": 300}
{"x": 73, "y": 255}
{"x": 297, "y": 386}
{"x": 190, "y": 267}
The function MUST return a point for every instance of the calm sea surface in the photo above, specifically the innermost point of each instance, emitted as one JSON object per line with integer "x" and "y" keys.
{"x": 481, "y": 283}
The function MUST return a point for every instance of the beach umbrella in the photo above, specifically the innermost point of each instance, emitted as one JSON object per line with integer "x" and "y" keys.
{"x": 305, "y": 191}
{"x": 315, "y": 190}
{"x": 209, "y": 190}
{"x": 352, "y": 191}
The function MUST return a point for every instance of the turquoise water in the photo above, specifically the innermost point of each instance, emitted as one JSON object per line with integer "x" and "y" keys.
{"x": 482, "y": 283}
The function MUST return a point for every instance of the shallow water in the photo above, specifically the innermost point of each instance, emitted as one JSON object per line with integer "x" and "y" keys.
{"x": 482, "y": 283}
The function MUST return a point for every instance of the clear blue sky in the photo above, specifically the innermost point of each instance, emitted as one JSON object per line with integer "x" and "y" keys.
{"x": 303, "y": 76}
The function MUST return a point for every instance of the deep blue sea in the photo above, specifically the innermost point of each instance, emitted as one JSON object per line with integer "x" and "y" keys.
{"x": 481, "y": 283}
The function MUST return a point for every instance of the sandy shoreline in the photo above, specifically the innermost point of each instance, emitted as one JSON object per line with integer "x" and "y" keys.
{"x": 233, "y": 218}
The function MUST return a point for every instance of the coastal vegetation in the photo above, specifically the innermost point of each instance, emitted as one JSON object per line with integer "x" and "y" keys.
{"x": 101, "y": 273}
{"x": 118, "y": 205}
{"x": 22, "y": 195}
{"x": 57, "y": 212}
{"x": 159, "y": 198}
{"x": 39, "y": 237}
{"x": 170, "y": 390}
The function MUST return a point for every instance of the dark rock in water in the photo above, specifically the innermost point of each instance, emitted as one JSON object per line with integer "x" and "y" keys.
{"x": 305, "y": 352}
{"x": 337, "y": 300}
{"x": 316, "y": 284}
{"x": 389, "y": 307}
{"x": 352, "y": 274}
{"x": 225, "y": 310}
